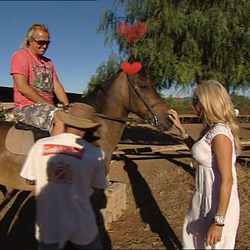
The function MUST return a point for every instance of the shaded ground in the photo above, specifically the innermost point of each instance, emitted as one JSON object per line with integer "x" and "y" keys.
{"x": 159, "y": 183}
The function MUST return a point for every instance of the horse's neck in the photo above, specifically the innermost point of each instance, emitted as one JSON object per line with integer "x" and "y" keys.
{"x": 109, "y": 101}
{"x": 113, "y": 107}
{"x": 108, "y": 98}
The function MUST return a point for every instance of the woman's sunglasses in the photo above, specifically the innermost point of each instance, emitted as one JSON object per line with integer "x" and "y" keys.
{"x": 195, "y": 99}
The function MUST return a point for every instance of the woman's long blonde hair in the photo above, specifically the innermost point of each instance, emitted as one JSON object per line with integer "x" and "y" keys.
{"x": 217, "y": 106}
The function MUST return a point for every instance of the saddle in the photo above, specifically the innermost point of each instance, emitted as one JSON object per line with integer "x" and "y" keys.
{"x": 21, "y": 137}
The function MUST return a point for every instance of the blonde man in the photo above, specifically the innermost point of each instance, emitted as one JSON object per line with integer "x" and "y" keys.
{"x": 35, "y": 80}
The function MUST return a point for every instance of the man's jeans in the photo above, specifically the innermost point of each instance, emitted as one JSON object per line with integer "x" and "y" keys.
{"x": 96, "y": 244}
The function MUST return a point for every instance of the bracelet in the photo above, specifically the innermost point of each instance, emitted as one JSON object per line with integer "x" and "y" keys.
{"x": 219, "y": 220}
{"x": 218, "y": 225}
{"x": 184, "y": 135}
{"x": 68, "y": 105}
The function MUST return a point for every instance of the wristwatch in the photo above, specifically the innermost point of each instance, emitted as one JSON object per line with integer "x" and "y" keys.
{"x": 219, "y": 220}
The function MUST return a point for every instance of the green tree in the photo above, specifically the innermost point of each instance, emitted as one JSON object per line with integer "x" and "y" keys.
{"x": 187, "y": 40}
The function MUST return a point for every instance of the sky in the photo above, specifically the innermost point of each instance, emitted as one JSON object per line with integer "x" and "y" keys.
{"x": 74, "y": 49}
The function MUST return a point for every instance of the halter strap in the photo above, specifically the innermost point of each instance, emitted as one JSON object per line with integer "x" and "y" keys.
{"x": 115, "y": 118}
{"x": 156, "y": 102}
{"x": 150, "y": 108}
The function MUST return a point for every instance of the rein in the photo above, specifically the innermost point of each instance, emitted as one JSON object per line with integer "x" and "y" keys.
{"x": 114, "y": 118}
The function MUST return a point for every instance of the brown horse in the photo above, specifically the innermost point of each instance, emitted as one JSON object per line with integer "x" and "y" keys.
{"x": 113, "y": 100}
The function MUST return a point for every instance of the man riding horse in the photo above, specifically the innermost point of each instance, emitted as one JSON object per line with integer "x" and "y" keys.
{"x": 35, "y": 80}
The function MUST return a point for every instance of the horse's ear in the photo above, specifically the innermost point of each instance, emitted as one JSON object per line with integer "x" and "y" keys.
{"x": 146, "y": 65}
{"x": 131, "y": 59}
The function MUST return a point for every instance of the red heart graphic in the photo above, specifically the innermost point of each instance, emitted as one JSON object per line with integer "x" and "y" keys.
{"x": 131, "y": 69}
{"x": 132, "y": 33}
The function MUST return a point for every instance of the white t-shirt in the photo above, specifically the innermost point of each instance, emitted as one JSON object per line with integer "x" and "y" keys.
{"x": 65, "y": 168}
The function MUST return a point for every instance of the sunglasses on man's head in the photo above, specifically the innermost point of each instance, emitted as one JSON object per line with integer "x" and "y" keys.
{"x": 41, "y": 42}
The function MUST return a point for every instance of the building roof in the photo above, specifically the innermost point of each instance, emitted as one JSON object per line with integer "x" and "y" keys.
{"x": 6, "y": 95}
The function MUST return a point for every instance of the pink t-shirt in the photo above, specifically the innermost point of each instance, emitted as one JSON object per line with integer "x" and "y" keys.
{"x": 40, "y": 73}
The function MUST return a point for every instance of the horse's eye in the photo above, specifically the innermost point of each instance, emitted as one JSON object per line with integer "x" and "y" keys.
{"x": 143, "y": 86}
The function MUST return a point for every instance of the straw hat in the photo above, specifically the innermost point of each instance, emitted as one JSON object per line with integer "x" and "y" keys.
{"x": 81, "y": 115}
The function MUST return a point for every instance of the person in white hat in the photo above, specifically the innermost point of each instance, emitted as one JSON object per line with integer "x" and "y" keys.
{"x": 65, "y": 170}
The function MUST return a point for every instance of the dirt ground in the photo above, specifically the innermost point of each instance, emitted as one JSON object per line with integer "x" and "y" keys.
{"x": 159, "y": 182}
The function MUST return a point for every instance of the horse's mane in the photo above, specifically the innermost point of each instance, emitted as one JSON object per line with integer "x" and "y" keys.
{"x": 100, "y": 92}
{"x": 94, "y": 97}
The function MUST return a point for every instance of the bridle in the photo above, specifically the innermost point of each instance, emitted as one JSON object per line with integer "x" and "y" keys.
{"x": 150, "y": 108}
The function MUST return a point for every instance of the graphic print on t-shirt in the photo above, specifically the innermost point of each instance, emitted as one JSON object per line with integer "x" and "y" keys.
{"x": 76, "y": 152}
{"x": 44, "y": 77}
{"x": 60, "y": 173}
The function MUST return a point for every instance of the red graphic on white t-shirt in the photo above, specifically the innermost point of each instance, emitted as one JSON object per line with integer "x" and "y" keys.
{"x": 49, "y": 149}
{"x": 60, "y": 172}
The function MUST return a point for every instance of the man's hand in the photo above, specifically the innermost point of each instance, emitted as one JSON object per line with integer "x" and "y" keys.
{"x": 29, "y": 182}
{"x": 25, "y": 89}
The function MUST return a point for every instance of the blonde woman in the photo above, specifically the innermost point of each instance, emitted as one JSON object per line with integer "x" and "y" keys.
{"x": 213, "y": 216}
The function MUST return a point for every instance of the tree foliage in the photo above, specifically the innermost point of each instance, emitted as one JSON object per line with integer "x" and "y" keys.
{"x": 187, "y": 40}
{"x": 185, "y": 106}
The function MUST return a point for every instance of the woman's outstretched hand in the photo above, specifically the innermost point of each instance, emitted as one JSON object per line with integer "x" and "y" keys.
{"x": 173, "y": 115}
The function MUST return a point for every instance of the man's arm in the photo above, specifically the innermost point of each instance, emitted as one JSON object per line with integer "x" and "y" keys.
{"x": 60, "y": 92}
{"x": 25, "y": 89}
{"x": 99, "y": 199}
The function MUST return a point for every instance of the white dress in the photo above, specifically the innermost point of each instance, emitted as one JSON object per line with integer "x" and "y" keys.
{"x": 205, "y": 198}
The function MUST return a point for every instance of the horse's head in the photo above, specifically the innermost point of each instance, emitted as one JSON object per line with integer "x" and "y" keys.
{"x": 145, "y": 101}
{"x": 123, "y": 93}
{"x": 116, "y": 97}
